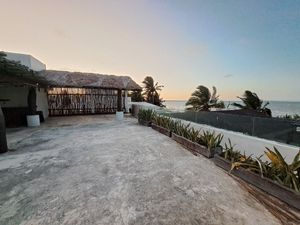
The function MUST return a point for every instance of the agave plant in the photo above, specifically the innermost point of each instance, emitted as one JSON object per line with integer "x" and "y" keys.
{"x": 284, "y": 173}
{"x": 163, "y": 121}
{"x": 253, "y": 164}
{"x": 145, "y": 115}
{"x": 210, "y": 139}
{"x": 181, "y": 129}
{"x": 193, "y": 134}
{"x": 229, "y": 153}
{"x": 278, "y": 169}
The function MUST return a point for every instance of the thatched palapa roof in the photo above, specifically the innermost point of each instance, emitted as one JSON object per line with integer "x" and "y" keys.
{"x": 57, "y": 78}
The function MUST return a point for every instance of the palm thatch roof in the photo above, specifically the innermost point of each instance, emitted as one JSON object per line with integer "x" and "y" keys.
{"x": 57, "y": 78}
{"x": 14, "y": 72}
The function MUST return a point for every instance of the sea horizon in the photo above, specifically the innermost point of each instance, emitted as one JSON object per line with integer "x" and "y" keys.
{"x": 278, "y": 108}
{"x": 297, "y": 101}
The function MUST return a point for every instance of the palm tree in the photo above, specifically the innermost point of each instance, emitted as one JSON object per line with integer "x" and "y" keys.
{"x": 136, "y": 96}
{"x": 151, "y": 90}
{"x": 202, "y": 99}
{"x": 252, "y": 102}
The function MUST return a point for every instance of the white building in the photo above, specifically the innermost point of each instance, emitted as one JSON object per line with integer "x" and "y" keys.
{"x": 26, "y": 60}
{"x": 13, "y": 94}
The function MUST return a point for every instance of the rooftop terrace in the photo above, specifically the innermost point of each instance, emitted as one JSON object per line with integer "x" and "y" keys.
{"x": 95, "y": 170}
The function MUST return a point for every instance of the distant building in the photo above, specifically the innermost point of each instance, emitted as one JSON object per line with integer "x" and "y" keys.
{"x": 26, "y": 60}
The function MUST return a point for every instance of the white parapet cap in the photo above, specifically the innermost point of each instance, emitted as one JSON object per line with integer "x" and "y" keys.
{"x": 26, "y": 60}
{"x": 145, "y": 105}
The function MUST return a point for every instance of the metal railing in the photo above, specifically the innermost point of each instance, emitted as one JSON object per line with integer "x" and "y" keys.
{"x": 281, "y": 130}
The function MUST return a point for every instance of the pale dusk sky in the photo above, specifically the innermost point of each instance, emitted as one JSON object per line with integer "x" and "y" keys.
{"x": 233, "y": 45}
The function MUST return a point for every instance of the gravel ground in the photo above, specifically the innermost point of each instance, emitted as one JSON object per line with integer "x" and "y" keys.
{"x": 95, "y": 170}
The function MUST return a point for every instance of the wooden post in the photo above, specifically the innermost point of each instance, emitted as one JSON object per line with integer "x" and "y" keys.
{"x": 3, "y": 142}
{"x": 126, "y": 101}
{"x": 119, "y": 109}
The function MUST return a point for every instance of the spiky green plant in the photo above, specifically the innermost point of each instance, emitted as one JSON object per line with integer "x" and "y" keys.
{"x": 277, "y": 169}
{"x": 163, "y": 121}
{"x": 210, "y": 139}
{"x": 182, "y": 129}
{"x": 145, "y": 115}
{"x": 193, "y": 134}
{"x": 284, "y": 173}
{"x": 229, "y": 153}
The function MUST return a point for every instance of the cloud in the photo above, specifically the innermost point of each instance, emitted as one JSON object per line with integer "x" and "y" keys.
{"x": 228, "y": 75}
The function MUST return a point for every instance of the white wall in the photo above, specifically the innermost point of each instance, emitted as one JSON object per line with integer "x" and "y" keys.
{"x": 26, "y": 60}
{"x": 36, "y": 65}
{"x": 42, "y": 101}
{"x": 144, "y": 105}
{"x": 17, "y": 96}
{"x": 250, "y": 145}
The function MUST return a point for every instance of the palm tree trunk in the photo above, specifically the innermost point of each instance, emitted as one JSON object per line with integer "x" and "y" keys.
{"x": 152, "y": 98}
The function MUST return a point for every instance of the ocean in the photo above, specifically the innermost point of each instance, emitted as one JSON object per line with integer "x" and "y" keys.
{"x": 279, "y": 108}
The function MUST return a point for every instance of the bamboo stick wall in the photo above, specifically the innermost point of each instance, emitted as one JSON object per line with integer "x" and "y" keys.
{"x": 76, "y": 101}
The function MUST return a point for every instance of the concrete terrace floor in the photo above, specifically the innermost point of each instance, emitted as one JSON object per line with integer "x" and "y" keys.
{"x": 95, "y": 170}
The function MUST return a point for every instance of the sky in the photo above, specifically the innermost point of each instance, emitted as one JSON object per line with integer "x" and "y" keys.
{"x": 234, "y": 45}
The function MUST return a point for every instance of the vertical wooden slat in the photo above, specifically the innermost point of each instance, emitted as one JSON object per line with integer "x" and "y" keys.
{"x": 72, "y": 101}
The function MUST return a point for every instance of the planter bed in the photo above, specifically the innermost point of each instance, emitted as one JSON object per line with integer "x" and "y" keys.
{"x": 221, "y": 162}
{"x": 281, "y": 192}
{"x": 195, "y": 148}
{"x": 162, "y": 130}
{"x": 145, "y": 123}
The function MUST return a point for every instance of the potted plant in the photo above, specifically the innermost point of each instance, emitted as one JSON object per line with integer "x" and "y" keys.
{"x": 33, "y": 119}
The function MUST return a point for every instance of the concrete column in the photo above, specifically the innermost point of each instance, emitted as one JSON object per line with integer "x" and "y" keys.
{"x": 119, "y": 113}
{"x": 126, "y": 102}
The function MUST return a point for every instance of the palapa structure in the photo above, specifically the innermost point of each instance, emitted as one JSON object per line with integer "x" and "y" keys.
{"x": 72, "y": 93}
{"x": 56, "y": 78}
